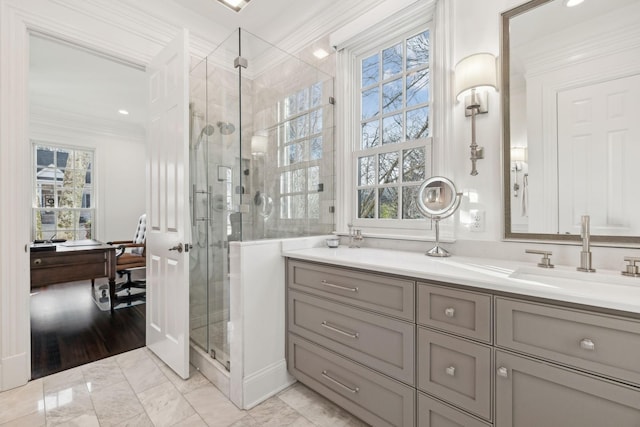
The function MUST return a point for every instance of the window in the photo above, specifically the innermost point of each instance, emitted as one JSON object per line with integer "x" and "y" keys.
{"x": 393, "y": 153}
{"x": 300, "y": 147}
{"x": 63, "y": 202}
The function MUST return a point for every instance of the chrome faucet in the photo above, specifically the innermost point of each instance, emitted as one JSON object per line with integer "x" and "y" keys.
{"x": 585, "y": 254}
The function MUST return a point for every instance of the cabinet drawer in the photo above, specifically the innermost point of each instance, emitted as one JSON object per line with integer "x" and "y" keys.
{"x": 380, "y": 342}
{"x": 433, "y": 413}
{"x": 388, "y": 295}
{"x": 374, "y": 398}
{"x": 604, "y": 344}
{"x": 459, "y": 312}
{"x": 455, "y": 370}
{"x": 530, "y": 393}
{"x": 44, "y": 260}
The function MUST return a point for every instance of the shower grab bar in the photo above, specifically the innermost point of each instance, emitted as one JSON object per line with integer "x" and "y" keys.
{"x": 343, "y": 288}
{"x": 327, "y": 325}
{"x": 194, "y": 193}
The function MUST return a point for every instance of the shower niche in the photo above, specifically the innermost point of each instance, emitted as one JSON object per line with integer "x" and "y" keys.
{"x": 261, "y": 167}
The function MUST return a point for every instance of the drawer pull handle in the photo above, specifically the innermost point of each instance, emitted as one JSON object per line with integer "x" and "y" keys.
{"x": 37, "y": 261}
{"x": 587, "y": 344}
{"x": 503, "y": 372}
{"x": 451, "y": 370}
{"x": 342, "y": 288}
{"x": 336, "y": 382}
{"x": 325, "y": 324}
{"x": 450, "y": 312}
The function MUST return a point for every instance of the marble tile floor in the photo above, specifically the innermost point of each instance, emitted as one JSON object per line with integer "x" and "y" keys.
{"x": 136, "y": 389}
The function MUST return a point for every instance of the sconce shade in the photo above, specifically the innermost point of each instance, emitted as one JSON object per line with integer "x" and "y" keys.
{"x": 258, "y": 144}
{"x": 518, "y": 154}
{"x": 475, "y": 71}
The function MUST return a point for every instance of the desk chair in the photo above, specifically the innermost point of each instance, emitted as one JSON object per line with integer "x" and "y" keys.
{"x": 130, "y": 255}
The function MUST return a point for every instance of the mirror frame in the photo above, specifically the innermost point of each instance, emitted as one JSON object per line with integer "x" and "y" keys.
{"x": 506, "y": 145}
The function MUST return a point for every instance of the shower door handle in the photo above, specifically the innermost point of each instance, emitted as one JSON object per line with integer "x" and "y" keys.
{"x": 178, "y": 248}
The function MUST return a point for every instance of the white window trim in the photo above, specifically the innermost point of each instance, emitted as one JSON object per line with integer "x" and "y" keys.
{"x": 435, "y": 15}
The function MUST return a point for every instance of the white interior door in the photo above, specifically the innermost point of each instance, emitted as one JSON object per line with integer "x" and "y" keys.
{"x": 598, "y": 152}
{"x": 168, "y": 206}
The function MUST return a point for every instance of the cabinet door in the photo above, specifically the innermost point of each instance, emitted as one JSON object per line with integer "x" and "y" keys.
{"x": 534, "y": 394}
{"x": 432, "y": 413}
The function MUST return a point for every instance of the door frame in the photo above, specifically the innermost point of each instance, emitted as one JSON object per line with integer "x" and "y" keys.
{"x": 17, "y": 22}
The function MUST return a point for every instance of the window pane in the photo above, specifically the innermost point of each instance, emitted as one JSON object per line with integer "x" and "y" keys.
{"x": 285, "y": 183}
{"x": 392, "y": 129}
{"x": 366, "y": 170}
{"x": 294, "y": 153}
{"x": 302, "y": 100}
{"x": 285, "y": 207}
{"x": 388, "y": 203}
{"x": 418, "y": 50}
{"x": 418, "y": 88}
{"x": 370, "y": 134}
{"x": 315, "y": 118}
{"x": 392, "y": 61}
{"x": 315, "y": 149}
{"x": 313, "y": 178}
{"x": 392, "y": 96}
{"x": 314, "y": 206}
{"x": 413, "y": 165}
{"x": 298, "y": 183}
{"x": 290, "y": 106}
{"x": 366, "y": 203}
{"x": 316, "y": 95}
{"x": 298, "y": 206}
{"x": 418, "y": 123}
{"x": 370, "y": 70}
{"x": 86, "y": 224}
{"x": 388, "y": 168}
{"x": 370, "y": 107}
{"x": 409, "y": 206}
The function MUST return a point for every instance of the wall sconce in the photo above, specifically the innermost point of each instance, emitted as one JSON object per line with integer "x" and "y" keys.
{"x": 259, "y": 144}
{"x": 518, "y": 160}
{"x": 472, "y": 73}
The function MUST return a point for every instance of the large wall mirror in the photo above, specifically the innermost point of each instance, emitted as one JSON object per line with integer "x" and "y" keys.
{"x": 571, "y": 125}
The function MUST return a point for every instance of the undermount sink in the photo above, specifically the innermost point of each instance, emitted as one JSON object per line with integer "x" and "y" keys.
{"x": 560, "y": 277}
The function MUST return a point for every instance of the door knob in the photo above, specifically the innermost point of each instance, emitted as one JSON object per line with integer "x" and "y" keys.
{"x": 178, "y": 248}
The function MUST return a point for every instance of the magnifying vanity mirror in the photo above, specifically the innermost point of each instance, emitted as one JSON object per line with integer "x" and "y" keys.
{"x": 571, "y": 128}
{"x": 437, "y": 199}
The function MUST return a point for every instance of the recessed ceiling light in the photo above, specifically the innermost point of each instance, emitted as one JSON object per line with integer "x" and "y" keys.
{"x": 571, "y": 3}
{"x": 236, "y": 5}
{"x": 123, "y": 112}
{"x": 320, "y": 53}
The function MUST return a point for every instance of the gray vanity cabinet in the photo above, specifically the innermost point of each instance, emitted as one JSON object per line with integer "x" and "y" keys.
{"x": 398, "y": 352}
{"x": 532, "y": 393}
{"x": 351, "y": 337}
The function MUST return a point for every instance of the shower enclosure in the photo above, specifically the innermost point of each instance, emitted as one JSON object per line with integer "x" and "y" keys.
{"x": 261, "y": 167}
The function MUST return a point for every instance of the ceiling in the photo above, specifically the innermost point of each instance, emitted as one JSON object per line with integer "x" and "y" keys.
{"x": 78, "y": 83}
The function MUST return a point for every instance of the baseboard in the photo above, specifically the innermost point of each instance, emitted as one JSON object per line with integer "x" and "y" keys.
{"x": 265, "y": 383}
{"x": 14, "y": 371}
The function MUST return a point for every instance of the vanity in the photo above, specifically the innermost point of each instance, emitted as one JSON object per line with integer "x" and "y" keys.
{"x": 397, "y": 338}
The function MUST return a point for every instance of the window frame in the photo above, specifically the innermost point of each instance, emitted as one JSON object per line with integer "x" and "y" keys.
{"x": 378, "y": 47}
{"x": 92, "y": 188}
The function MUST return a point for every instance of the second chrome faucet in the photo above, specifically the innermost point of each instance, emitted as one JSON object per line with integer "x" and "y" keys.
{"x": 585, "y": 254}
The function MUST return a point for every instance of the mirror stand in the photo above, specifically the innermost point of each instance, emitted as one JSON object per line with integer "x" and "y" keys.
{"x": 437, "y": 250}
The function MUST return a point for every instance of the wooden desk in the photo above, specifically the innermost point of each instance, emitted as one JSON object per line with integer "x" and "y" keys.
{"x": 75, "y": 260}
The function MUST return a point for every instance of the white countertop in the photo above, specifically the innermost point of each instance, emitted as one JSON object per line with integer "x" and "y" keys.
{"x": 604, "y": 288}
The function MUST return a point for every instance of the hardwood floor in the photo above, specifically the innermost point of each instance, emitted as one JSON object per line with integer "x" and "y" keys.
{"x": 68, "y": 329}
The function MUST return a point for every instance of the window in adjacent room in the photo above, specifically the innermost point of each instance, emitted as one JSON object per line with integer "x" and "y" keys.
{"x": 393, "y": 151}
{"x": 63, "y": 194}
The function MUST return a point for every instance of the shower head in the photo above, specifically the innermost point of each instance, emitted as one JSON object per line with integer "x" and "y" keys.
{"x": 226, "y": 128}
{"x": 207, "y": 130}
